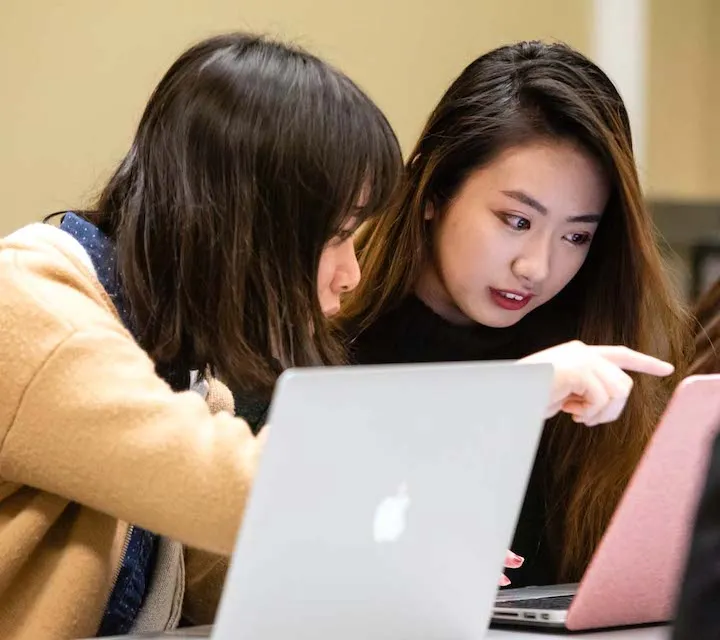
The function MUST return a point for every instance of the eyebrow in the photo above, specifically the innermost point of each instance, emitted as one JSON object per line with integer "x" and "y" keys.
{"x": 528, "y": 200}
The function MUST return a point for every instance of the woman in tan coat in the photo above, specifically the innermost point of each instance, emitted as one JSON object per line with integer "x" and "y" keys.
{"x": 219, "y": 245}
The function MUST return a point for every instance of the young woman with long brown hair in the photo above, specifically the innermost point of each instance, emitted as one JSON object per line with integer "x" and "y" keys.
{"x": 520, "y": 224}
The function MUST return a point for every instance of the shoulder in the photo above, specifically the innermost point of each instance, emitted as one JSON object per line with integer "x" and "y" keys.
{"x": 392, "y": 336}
{"x": 50, "y": 298}
{"x": 49, "y": 293}
{"x": 49, "y": 242}
{"x": 44, "y": 272}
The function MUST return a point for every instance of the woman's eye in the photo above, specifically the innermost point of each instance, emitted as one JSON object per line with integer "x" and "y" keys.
{"x": 516, "y": 222}
{"x": 578, "y": 238}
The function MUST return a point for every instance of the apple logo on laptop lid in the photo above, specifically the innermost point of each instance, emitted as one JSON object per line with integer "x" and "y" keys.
{"x": 391, "y": 516}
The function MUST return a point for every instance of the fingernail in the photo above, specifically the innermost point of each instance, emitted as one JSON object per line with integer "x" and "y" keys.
{"x": 504, "y": 581}
{"x": 516, "y": 561}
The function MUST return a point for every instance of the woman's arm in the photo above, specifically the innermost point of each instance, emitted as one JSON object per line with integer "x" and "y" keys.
{"x": 84, "y": 416}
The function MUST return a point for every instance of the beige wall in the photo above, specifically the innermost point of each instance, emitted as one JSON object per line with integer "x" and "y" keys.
{"x": 683, "y": 91}
{"x": 713, "y": 79}
{"x": 75, "y": 74}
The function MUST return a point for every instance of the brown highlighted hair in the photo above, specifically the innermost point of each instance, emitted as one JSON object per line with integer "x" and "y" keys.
{"x": 508, "y": 97}
{"x": 707, "y": 338}
{"x": 250, "y": 156}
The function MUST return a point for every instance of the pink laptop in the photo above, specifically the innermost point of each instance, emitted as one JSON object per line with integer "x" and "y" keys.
{"x": 635, "y": 574}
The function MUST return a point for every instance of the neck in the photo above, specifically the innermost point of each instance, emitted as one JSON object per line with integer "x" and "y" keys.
{"x": 431, "y": 290}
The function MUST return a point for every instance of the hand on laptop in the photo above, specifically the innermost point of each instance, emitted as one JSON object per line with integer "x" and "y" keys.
{"x": 512, "y": 561}
{"x": 590, "y": 383}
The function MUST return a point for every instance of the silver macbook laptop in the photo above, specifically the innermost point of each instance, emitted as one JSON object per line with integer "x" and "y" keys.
{"x": 384, "y": 502}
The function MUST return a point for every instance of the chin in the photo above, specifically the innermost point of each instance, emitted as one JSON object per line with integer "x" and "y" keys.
{"x": 500, "y": 324}
{"x": 499, "y": 319}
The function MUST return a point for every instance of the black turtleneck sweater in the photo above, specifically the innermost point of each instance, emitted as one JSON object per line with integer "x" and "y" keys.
{"x": 414, "y": 333}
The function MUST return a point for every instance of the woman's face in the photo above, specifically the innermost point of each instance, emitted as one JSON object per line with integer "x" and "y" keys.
{"x": 516, "y": 233}
{"x": 339, "y": 271}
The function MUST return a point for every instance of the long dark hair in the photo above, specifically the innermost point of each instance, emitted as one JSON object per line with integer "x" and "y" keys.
{"x": 508, "y": 97}
{"x": 250, "y": 156}
{"x": 707, "y": 338}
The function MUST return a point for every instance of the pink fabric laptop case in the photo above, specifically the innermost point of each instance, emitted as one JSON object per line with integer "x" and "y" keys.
{"x": 635, "y": 574}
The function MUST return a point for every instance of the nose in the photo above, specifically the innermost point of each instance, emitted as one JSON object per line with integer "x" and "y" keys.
{"x": 532, "y": 266}
{"x": 348, "y": 269}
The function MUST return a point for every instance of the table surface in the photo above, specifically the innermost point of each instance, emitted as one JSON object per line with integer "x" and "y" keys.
{"x": 645, "y": 633}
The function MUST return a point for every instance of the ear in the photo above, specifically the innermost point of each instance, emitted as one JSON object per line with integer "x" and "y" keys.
{"x": 429, "y": 211}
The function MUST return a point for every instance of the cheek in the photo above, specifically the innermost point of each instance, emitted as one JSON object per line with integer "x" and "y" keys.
{"x": 468, "y": 253}
{"x": 326, "y": 270}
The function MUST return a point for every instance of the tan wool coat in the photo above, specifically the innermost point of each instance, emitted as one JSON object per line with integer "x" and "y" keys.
{"x": 91, "y": 439}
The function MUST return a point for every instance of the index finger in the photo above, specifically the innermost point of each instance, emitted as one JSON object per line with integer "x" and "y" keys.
{"x": 630, "y": 360}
